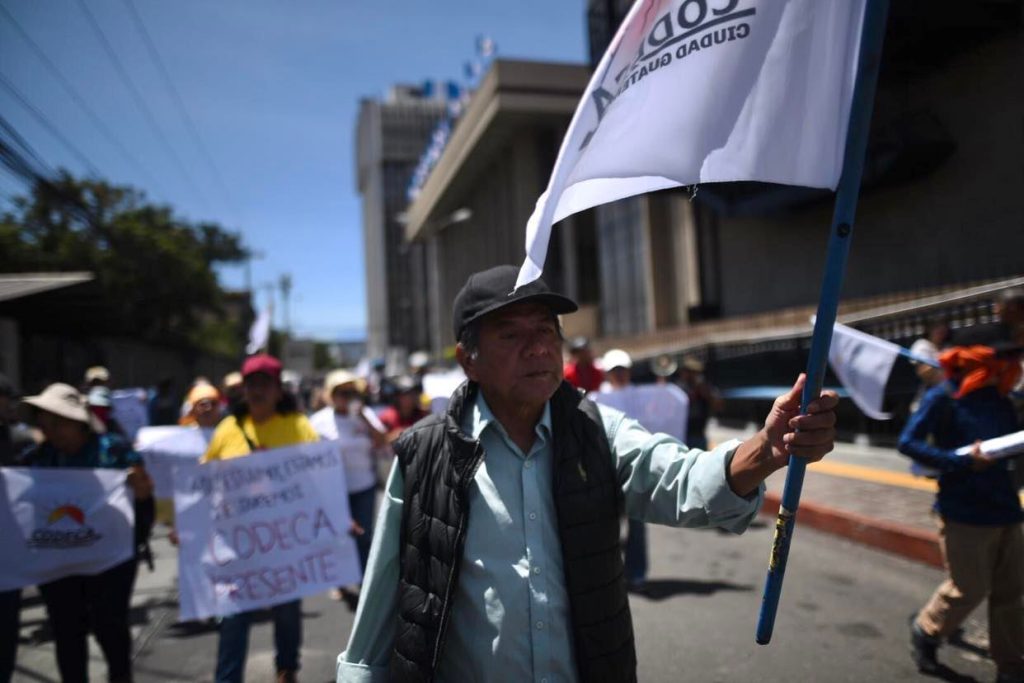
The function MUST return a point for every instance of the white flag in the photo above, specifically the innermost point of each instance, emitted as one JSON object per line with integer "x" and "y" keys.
{"x": 863, "y": 364}
{"x": 56, "y": 522}
{"x": 259, "y": 333}
{"x": 698, "y": 91}
{"x": 262, "y": 530}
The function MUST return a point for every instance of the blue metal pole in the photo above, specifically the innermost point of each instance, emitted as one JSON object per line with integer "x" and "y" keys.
{"x": 869, "y": 58}
{"x": 918, "y": 359}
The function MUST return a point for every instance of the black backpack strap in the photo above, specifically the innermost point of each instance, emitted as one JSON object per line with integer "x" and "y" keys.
{"x": 252, "y": 444}
{"x": 592, "y": 412}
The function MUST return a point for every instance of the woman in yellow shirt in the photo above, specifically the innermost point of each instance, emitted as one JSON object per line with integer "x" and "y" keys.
{"x": 266, "y": 418}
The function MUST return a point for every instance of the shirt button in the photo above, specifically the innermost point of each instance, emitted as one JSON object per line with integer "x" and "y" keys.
{"x": 536, "y": 570}
{"x": 528, "y": 464}
{"x": 543, "y": 680}
{"x": 540, "y": 625}
{"x": 533, "y": 515}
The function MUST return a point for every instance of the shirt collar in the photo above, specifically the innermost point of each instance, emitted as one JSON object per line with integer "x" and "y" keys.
{"x": 481, "y": 417}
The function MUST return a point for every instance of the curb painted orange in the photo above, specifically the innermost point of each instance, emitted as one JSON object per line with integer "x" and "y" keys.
{"x": 909, "y": 542}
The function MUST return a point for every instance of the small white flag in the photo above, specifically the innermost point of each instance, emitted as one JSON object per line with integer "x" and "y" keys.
{"x": 863, "y": 364}
{"x": 259, "y": 333}
{"x": 699, "y": 91}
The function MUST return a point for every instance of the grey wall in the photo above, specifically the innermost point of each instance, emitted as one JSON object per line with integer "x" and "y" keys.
{"x": 962, "y": 223}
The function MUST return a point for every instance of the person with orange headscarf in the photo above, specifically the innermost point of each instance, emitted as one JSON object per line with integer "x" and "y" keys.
{"x": 979, "y": 512}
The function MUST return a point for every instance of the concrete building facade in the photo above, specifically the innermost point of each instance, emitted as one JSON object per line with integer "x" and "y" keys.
{"x": 391, "y": 135}
{"x": 472, "y": 211}
{"x": 941, "y": 209}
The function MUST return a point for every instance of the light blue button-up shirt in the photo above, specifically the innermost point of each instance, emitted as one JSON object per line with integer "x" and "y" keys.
{"x": 510, "y": 615}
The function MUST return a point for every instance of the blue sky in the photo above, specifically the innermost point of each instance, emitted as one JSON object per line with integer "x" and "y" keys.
{"x": 273, "y": 88}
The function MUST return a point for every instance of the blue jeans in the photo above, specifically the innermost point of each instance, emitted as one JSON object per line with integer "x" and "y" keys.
{"x": 636, "y": 552}
{"x": 234, "y": 641}
{"x": 361, "y": 504}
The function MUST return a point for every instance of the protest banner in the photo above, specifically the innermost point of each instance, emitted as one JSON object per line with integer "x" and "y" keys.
{"x": 998, "y": 448}
{"x": 1006, "y": 446}
{"x": 164, "y": 448}
{"x": 261, "y": 530}
{"x": 658, "y": 407}
{"x": 61, "y": 522}
{"x": 128, "y": 407}
{"x": 440, "y": 385}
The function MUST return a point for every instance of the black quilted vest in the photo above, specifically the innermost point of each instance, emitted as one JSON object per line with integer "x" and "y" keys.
{"x": 438, "y": 463}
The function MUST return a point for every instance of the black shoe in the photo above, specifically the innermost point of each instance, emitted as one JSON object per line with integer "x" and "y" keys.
{"x": 923, "y": 649}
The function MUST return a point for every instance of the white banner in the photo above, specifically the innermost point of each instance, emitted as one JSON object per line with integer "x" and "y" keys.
{"x": 439, "y": 387}
{"x": 57, "y": 522}
{"x": 1000, "y": 447}
{"x": 164, "y": 448}
{"x": 130, "y": 408}
{"x": 263, "y": 529}
{"x": 863, "y": 364}
{"x": 699, "y": 91}
{"x": 658, "y": 407}
{"x": 1007, "y": 446}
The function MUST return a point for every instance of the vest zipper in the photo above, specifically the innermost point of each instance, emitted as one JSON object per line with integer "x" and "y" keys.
{"x": 442, "y": 631}
{"x": 447, "y": 606}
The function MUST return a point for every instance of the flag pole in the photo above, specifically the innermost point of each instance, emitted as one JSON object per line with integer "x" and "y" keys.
{"x": 872, "y": 35}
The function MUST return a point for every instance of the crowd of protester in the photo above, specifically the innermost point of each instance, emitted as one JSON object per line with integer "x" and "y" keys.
{"x": 970, "y": 397}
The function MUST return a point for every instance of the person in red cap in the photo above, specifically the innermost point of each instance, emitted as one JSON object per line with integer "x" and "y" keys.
{"x": 266, "y": 418}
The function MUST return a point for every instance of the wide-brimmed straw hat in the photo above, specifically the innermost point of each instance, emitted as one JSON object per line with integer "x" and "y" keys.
{"x": 341, "y": 378}
{"x": 65, "y": 401}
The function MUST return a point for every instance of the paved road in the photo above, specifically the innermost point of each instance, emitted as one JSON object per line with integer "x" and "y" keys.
{"x": 843, "y": 618}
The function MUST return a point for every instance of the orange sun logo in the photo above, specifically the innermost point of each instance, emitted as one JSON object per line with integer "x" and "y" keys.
{"x": 72, "y": 511}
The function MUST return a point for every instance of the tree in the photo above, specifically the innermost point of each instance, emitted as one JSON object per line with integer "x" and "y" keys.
{"x": 154, "y": 268}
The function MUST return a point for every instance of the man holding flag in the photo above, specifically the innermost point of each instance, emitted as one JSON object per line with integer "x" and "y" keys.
{"x": 498, "y": 548}
{"x": 698, "y": 91}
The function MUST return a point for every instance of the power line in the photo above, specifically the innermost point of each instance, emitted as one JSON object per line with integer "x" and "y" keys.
{"x": 46, "y": 123}
{"x": 21, "y": 168}
{"x": 23, "y": 144}
{"x": 80, "y": 101}
{"x": 140, "y": 102}
{"x": 190, "y": 125}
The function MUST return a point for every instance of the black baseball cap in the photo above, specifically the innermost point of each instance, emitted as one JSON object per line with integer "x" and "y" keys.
{"x": 489, "y": 290}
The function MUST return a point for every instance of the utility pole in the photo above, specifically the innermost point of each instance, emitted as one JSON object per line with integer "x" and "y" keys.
{"x": 285, "y": 283}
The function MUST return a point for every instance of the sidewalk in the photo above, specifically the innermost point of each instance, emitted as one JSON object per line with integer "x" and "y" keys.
{"x": 863, "y": 493}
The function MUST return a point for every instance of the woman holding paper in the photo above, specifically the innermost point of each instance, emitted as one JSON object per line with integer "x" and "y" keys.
{"x": 266, "y": 418}
{"x": 980, "y": 513}
{"x": 358, "y": 432}
{"x": 75, "y": 437}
